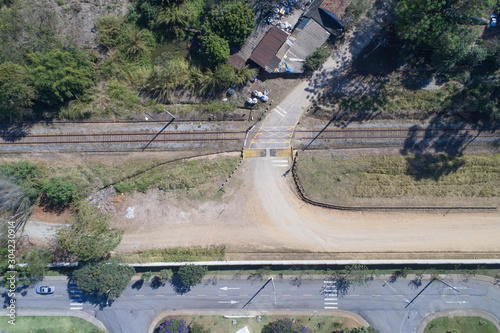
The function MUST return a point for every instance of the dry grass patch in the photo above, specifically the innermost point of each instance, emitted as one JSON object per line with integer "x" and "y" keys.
{"x": 337, "y": 179}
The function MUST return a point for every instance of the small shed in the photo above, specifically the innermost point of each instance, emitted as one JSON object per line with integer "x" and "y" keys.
{"x": 268, "y": 46}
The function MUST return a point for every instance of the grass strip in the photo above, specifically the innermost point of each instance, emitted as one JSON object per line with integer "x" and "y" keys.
{"x": 460, "y": 325}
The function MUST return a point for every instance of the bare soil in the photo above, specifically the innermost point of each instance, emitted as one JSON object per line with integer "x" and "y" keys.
{"x": 260, "y": 213}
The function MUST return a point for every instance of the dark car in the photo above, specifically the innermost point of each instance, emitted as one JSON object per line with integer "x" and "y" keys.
{"x": 45, "y": 290}
{"x": 493, "y": 21}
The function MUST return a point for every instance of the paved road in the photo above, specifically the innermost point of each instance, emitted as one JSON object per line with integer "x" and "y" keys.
{"x": 386, "y": 306}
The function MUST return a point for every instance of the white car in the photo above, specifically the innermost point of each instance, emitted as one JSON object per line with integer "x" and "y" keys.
{"x": 45, "y": 290}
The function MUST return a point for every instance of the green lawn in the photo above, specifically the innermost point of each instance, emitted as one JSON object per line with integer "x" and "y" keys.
{"x": 47, "y": 325}
{"x": 218, "y": 324}
{"x": 460, "y": 325}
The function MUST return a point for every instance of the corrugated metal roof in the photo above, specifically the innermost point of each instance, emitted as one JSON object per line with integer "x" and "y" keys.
{"x": 268, "y": 46}
{"x": 312, "y": 36}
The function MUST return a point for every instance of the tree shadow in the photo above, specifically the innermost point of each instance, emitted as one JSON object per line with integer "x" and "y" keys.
{"x": 138, "y": 284}
{"x": 427, "y": 166}
{"x": 296, "y": 281}
{"x": 179, "y": 287}
{"x": 156, "y": 283}
{"x": 416, "y": 282}
{"x": 14, "y": 131}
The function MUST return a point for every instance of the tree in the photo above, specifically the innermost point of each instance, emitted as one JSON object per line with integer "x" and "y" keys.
{"x": 233, "y": 21}
{"x": 16, "y": 92}
{"x": 214, "y": 49}
{"x": 192, "y": 275}
{"x": 105, "y": 278}
{"x": 315, "y": 60}
{"x": 134, "y": 41}
{"x": 171, "y": 21}
{"x": 58, "y": 192}
{"x": 285, "y": 325}
{"x": 60, "y": 75}
{"x": 446, "y": 31}
{"x": 89, "y": 238}
{"x": 165, "y": 275}
{"x": 38, "y": 261}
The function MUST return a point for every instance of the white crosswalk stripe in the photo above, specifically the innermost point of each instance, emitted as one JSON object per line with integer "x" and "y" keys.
{"x": 280, "y": 163}
{"x": 330, "y": 295}
{"x": 280, "y": 111}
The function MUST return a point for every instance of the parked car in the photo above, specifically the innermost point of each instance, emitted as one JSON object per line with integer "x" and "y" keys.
{"x": 45, "y": 290}
{"x": 493, "y": 21}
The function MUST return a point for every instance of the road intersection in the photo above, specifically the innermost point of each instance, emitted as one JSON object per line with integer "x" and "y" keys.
{"x": 398, "y": 306}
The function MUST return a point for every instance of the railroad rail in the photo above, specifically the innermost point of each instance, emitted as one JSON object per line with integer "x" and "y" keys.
{"x": 398, "y": 133}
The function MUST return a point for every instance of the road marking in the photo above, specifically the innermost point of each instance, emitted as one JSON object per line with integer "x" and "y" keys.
{"x": 227, "y": 288}
{"x": 228, "y": 302}
{"x": 331, "y": 303}
{"x": 406, "y": 299}
{"x": 487, "y": 297}
{"x": 139, "y": 295}
{"x": 222, "y": 295}
{"x": 331, "y": 307}
{"x": 243, "y": 295}
{"x": 421, "y": 295}
{"x": 456, "y": 302}
{"x": 281, "y": 114}
{"x": 160, "y": 295}
{"x": 286, "y": 295}
{"x": 328, "y": 282}
{"x": 58, "y": 295}
{"x": 465, "y": 295}
{"x": 201, "y": 295}
{"x": 265, "y": 295}
{"x": 376, "y": 295}
{"x": 442, "y": 295}
{"x": 307, "y": 295}
{"x": 331, "y": 299}
{"x": 76, "y": 308}
{"x": 75, "y": 303}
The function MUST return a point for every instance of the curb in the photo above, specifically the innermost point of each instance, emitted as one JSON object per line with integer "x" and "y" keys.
{"x": 170, "y": 313}
{"x": 463, "y": 313}
{"x": 59, "y": 313}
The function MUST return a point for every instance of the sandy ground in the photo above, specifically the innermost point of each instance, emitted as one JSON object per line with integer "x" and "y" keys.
{"x": 260, "y": 212}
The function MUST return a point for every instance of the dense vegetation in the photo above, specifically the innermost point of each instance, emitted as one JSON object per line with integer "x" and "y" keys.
{"x": 142, "y": 59}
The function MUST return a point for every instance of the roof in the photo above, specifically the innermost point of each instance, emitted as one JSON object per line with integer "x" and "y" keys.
{"x": 243, "y": 330}
{"x": 236, "y": 60}
{"x": 268, "y": 46}
{"x": 336, "y": 7}
{"x": 306, "y": 38}
{"x": 328, "y": 13}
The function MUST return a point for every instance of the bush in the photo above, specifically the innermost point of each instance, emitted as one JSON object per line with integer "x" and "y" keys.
{"x": 173, "y": 326}
{"x": 58, "y": 192}
{"x": 165, "y": 275}
{"x": 315, "y": 60}
{"x": 285, "y": 325}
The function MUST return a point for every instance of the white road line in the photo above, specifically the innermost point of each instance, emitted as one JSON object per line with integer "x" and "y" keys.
{"x": 78, "y": 308}
{"x": 456, "y": 302}
{"x": 281, "y": 114}
{"x": 280, "y": 109}
{"x": 331, "y": 299}
{"x": 328, "y": 282}
{"x": 75, "y": 303}
{"x": 331, "y": 307}
{"x": 331, "y": 303}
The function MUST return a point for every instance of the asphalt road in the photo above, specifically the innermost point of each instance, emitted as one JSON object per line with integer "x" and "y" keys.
{"x": 388, "y": 306}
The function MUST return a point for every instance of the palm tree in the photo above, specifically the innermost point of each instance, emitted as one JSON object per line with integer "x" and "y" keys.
{"x": 173, "y": 20}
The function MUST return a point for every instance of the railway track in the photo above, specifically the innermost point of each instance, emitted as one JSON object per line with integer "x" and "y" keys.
{"x": 211, "y": 136}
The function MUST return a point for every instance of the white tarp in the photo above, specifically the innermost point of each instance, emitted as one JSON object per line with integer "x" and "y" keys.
{"x": 243, "y": 330}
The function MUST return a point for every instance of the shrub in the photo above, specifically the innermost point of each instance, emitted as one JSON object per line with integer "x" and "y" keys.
{"x": 214, "y": 50}
{"x": 315, "y": 60}
{"x": 285, "y": 325}
{"x": 173, "y": 326}
{"x": 165, "y": 275}
{"x": 58, "y": 192}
